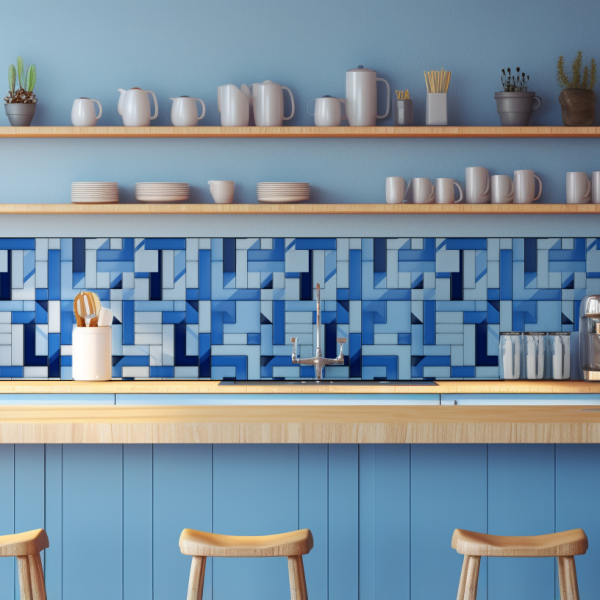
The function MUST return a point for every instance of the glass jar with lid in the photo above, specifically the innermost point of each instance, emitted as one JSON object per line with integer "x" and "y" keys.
{"x": 534, "y": 355}
{"x": 558, "y": 349}
{"x": 509, "y": 355}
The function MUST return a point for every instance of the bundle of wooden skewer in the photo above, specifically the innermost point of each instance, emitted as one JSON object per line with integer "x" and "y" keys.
{"x": 402, "y": 95}
{"x": 437, "y": 82}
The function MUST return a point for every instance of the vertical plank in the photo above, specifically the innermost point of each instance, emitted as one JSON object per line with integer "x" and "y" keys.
{"x": 312, "y": 514}
{"x": 343, "y": 522}
{"x": 7, "y": 517}
{"x": 448, "y": 491}
{"x": 29, "y": 490}
{"x": 255, "y": 493}
{"x": 577, "y": 493}
{"x": 54, "y": 510}
{"x": 92, "y": 507}
{"x": 521, "y": 502}
{"x": 182, "y": 497}
{"x": 137, "y": 521}
{"x": 384, "y": 521}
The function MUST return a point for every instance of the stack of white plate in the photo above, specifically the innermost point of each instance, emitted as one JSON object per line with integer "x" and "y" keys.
{"x": 162, "y": 192}
{"x": 94, "y": 192}
{"x": 281, "y": 192}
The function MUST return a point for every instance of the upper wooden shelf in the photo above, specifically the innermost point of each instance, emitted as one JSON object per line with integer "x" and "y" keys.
{"x": 297, "y": 209}
{"x": 300, "y": 132}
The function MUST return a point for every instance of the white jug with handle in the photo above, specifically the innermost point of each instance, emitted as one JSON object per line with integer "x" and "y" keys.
{"x": 267, "y": 100}
{"x": 361, "y": 97}
{"x": 184, "y": 112}
{"x": 134, "y": 107}
{"x": 233, "y": 105}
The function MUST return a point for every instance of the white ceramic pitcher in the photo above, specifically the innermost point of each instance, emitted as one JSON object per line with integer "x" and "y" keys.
{"x": 184, "y": 112}
{"x": 267, "y": 102}
{"x": 361, "y": 97}
{"x": 233, "y": 105}
{"x": 134, "y": 107}
{"x": 83, "y": 113}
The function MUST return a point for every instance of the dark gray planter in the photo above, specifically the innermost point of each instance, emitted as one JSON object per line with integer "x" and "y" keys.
{"x": 403, "y": 112}
{"x": 515, "y": 108}
{"x": 20, "y": 115}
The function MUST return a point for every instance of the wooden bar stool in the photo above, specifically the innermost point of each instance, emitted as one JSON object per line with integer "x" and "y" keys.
{"x": 27, "y": 547}
{"x": 200, "y": 544}
{"x": 565, "y": 545}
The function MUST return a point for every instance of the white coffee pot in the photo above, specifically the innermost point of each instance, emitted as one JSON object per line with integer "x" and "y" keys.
{"x": 361, "y": 97}
{"x": 83, "y": 113}
{"x": 134, "y": 107}
{"x": 184, "y": 112}
{"x": 233, "y": 105}
{"x": 267, "y": 103}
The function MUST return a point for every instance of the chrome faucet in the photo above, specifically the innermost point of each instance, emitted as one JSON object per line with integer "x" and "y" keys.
{"x": 319, "y": 361}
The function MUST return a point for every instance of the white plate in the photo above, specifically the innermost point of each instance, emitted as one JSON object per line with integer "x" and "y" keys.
{"x": 94, "y": 183}
{"x": 284, "y": 200}
{"x": 94, "y": 201}
{"x": 282, "y": 183}
{"x": 161, "y": 199}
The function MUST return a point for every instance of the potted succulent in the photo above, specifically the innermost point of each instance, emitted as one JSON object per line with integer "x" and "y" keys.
{"x": 577, "y": 100}
{"x": 20, "y": 103}
{"x": 515, "y": 104}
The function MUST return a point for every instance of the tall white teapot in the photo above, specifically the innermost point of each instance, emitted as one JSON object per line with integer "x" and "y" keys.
{"x": 361, "y": 97}
{"x": 134, "y": 107}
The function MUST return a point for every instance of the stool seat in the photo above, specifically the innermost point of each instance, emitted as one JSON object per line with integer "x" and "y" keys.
{"x": 564, "y": 543}
{"x": 201, "y": 543}
{"x": 24, "y": 544}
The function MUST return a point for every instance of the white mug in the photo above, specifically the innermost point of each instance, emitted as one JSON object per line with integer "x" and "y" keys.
{"x": 394, "y": 190}
{"x": 596, "y": 187}
{"x": 83, "y": 113}
{"x": 328, "y": 111}
{"x": 233, "y": 105}
{"x": 524, "y": 185}
{"x": 477, "y": 185}
{"x": 421, "y": 192}
{"x": 184, "y": 112}
{"x": 444, "y": 190}
{"x": 579, "y": 188}
{"x": 222, "y": 191}
{"x": 503, "y": 191}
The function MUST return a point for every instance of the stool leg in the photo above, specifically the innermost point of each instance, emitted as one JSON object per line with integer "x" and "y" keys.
{"x": 196, "y": 583}
{"x": 297, "y": 579}
{"x": 472, "y": 578}
{"x": 463, "y": 579}
{"x": 36, "y": 573}
{"x": 567, "y": 577}
{"x": 24, "y": 577}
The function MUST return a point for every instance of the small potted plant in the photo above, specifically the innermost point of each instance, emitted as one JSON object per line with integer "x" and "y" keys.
{"x": 577, "y": 100}
{"x": 515, "y": 104}
{"x": 20, "y": 103}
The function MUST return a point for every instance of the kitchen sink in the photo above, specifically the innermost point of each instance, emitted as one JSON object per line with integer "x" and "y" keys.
{"x": 324, "y": 382}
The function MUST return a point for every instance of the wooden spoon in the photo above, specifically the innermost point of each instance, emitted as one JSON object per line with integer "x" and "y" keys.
{"x": 85, "y": 307}
{"x": 97, "y": 308}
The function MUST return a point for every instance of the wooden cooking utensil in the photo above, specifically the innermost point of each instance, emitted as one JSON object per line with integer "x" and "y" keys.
{"x": 97, "y": 308}
{"x": 85, "y": 307}
{"x": 78, "y": 318}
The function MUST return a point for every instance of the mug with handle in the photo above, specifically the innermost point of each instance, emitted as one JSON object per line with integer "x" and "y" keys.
{"x": 394, "y": 190}
{"x": 421, "y": 192}
{"x": 503, "y": 190}
{"x": 579, "y": 188}
{"x": 328, "y": 111}
{"x": 596, "y": 187}
{"x": 444, "y": 191}
{"x": 524, "y": 186}
{"x": 184, "y": 112}
{"x": 477, "y": 185}
{"x": 83, "y": 113}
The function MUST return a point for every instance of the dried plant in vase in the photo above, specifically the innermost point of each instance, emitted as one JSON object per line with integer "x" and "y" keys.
{"x": 20, "y": 103}
{"x": 515, "y": 103}
{"x": 577, "y": 100}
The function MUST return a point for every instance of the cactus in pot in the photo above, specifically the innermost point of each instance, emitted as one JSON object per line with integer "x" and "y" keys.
{"x": 20, "y": 103}
{"x": 577, "y": 99}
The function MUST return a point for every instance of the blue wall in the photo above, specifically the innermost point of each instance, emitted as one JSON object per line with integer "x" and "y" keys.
{"x": 382, "y": 516}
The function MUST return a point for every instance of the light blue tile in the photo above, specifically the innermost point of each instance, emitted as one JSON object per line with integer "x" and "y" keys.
{"x": 391, "y": 277}
{"x": 266, "y": 340}
{"x": 147, "y": 317}
{"x": 222, "y": 372}
{"x": 146, "y": 261}
{"x": 54, "y": 244}
{"x": 191, "y": 275}
{"x": 136, "y": 350}
{"x": 343, "y": 249}
{"x": 241, "y": 269}
{"x": 416, "y": 308}
{"x": 493, "y": 339}
{"x": 548, "y": 244}
{"x": 17, "y": 269}
{"x": 580, "y": 281}
{"x": 370, "y": 373}
{"x": 288, "y": 372}
{"x": 318, "y": 267}
{"x": 294, "y": 328}
{"x": 247, "y": 244}
{"x": 191, "y": 340}
{"x": 568, "y": 243}
{"x": 117, "y": 340}
{"x": 493, "y": 249}
{"x": 505, "y": 243}
{"x": 90, "y": 269}
{"x": 149, "y": 339}
{"x": 385, "y": 338}
{"x": 493, "y": 275}
{"x": 456, "y": 356}
{"x": 430, "y": 350}
{"x": 204, "y": 243}
{"x": 416, "y": 340}
{"x": 142, "y": 290}
{"x": 469, "y": 269}
{"x": 5, "y": 317}
{"x": 440, "y": 372}
{"x": 41, "y": 340}
{"x": 519, "y": 249}
{"x": 168, "y": 269}
{"x": 156, "y": 356}
{"x": 429, "y": 282}
{"x": 153, "y": 306}
{"x": 398, "y": 244}
{"x": 278, "y": 280}
{"x": 330, "y": 264}
{"x": 449, "y": 327}
{"x": 66, "y": 249}
{"x": 204, "y": 317}
{"x": 355, "y": 316}
{"x": 3, "y": 261}
{"x": 455, "y": 306}
{"x": 292, "y": 289}
{"x": 416, "y": 243}
{"x": 253, "y": 280}
{"x": 41, "y": 249}
{"x": 449, "y": 338}
{"x": 299, "y": 317}
{"x": 266, "y": 243}
{"x": 252, "y": 352}
{"x": 367, "y": 249}
{"x": 116, "y": 243}
{"x": 542, "y": 279}
{"x": 17, "y": 345}
{"x": 5, "y": 356}
{"x": 486, "y": 372}
{"x": 216, "y": 249}
{"x": 479, "y": 292}
{"x": 506, "y": 315}
{"x": 404, "y": 280}
{"x": 469, "y": 345}
{"x": 168, "y": 346}
{"x": 398, "y": 318}
{"x": 102, "y": 279}
{"x": 148, "y": 327}
{"x": 41, "y": 274}
{"x": 186, "y": 372}
{"x": 11, "y": 305}
{"x": 97, "y": 244}
{"x": 296, "y": 261}
{"x": 447, "y": 261}
{"x": 481, "y": 305}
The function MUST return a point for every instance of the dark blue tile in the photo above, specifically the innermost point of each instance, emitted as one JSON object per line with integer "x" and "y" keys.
{"x": 493, "y": 312}
{"x": 315, "y": 243}
{"x": 204, "y": 352}
{"x": 457, "y": 280}
{"x": 53, "y": 274}
{"x": 67, "y": 318}
{"x": 417, "y": 283}
{"x": 40, "y": 294}
{"x": 164, "y": 244}
{"x": 267, "y": 283}
{"x": 481, "y": 357}
{"x": 331, "y": 349}
{"x": 239, "y": 362}
{"x": 506, "y": 276}
{"x": 290, "y": 275}
{"x": 54, "y": 355}
{"x": 128, "y": 322}
{"x": 389, "y": 362}
{"x": 429, "y": 324}
{"x": 379, "y": 255}
{"x": 229, "y": 255}
{"x": 132, "y": 361}
{"x": 462, "y": 371}
{"x": 41, "y": 312}
{"x": 204, "y": 274}
{"x": 117, "y": 282}
{"x": 530, "y": 255}
{"x": 181, "y": 358}
{"x": 141, "y": 275}
{"x": 278, "y": 321}
{"x": 343, "y": 312}
{"x": 254, "y": 339}
{"x": 192, "y": 294}
{"x": 404, "y": 339}
{"x": 78, "y": 255}
{"x": 355, "y": 275}
{"x": 216, "y": 327}
{"x": 11, "y": 371}
{"x": 466, "y": 243}
{"x": 343, "y": 294}
{"x": 31, "y": 360}
{"x": 23, "y": 317}
{"x": 6, "y": 280}
{"x": 173, "y": 316}
{"x": 162, "y": 371}
{"x": 355, "y": 352}
{"x": 17, "y": 244}
{"x": 474, "y": 316}
{"x": 306, "y": 280}
{"x": 493, "y": 294}
{"x": 156, "y": 280}
{"x": 191, "y": 312}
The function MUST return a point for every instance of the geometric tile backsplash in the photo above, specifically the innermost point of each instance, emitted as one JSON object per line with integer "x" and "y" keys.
{"x": 225, "y": 308}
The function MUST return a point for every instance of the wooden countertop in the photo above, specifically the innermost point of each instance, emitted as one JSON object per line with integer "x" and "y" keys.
{"x": 213, "y": 387}
{"x": 299, "y": 424}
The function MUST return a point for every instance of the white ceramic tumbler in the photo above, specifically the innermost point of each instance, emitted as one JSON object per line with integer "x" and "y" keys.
{"x": 477, "y": 185}
{"x": 420, "y": 190}
{"x": 83, "y": 113}
{"x": 444, "y": 191}
{"x": 596, "y": 187}
{"x": 394, "y": 190}
{"x": 92, "y": 353}
{"x": 222, "y": 191}
{"x": 524, "y": 184}
{"x": 579, "y": 188}
{"x": 437, "y": 109}
{"x": 503, "y": 191}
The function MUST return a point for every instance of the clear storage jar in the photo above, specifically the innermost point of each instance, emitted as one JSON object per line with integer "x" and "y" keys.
{"x": 534, "y": 355}
{"x": 558, "y": 347}
{"x": 509, "y": 355}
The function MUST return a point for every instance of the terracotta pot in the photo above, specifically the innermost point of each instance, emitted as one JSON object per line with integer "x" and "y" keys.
{"x": 577, "y": 107}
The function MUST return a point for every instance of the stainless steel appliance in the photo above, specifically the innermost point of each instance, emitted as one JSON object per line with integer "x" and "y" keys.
{"x": 589, "y": 337}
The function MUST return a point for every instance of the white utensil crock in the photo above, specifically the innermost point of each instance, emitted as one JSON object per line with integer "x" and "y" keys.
{"x": 92, "y": 353}
{"x": 233, "y": 105}
{"x": 83, "y": 113}
{"x": 184, "y": 112}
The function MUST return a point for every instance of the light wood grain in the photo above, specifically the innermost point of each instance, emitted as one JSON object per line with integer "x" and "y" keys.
{"x": 23, "y": 544}
{"x": 299, "y": 132}
{"x": 196, "y": 582}
{"x": 36, "y": 573}
{"x": 26, "y": 547}
{"x": 24, "y": 578}
{"x": 297, "y": 578}
{"x": 167, "y": 386}
{"x": 567, "y": 578}
{"x": 299, "y": 424}
{"x": 298, "y": 209}
{"x": 472, "y": 578}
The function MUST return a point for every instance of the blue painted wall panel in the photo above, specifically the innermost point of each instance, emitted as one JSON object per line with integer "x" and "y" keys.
{"x": 7, "y": 517}
{"x": 521, "y": 502}
{"x": 53, "y": 565}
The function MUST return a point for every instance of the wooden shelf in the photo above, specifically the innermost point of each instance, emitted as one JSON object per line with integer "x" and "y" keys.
{"x": 300, "y": 132}
{"x": 297, "y": 209}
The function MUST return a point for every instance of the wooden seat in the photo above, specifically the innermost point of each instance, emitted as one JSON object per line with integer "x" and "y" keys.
{"x": 200, "y": 544}
{"x": 27, "y": 547}
{"x": 565, "y": 545}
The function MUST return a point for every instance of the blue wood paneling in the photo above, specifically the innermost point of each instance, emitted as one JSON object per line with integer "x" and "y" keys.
{"x": 384, "y": 521}
{"x": 577, "y": 505}
{"x": 54, "y": 522}
{"x": 448, "y": 491}
{"x": 92, "y": 522}
{"x": 7, "y": 517}
{"x": 182, "y": 497}
{"x": 343, "y": 522}
{"x": 255, "y": 493}
{"x": 312, "y": 514}
{"x": 521, "y": 502}
{"x": 137, "y": 521}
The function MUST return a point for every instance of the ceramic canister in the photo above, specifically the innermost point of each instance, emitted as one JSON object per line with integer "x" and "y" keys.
{"x": 92, "y": 353}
